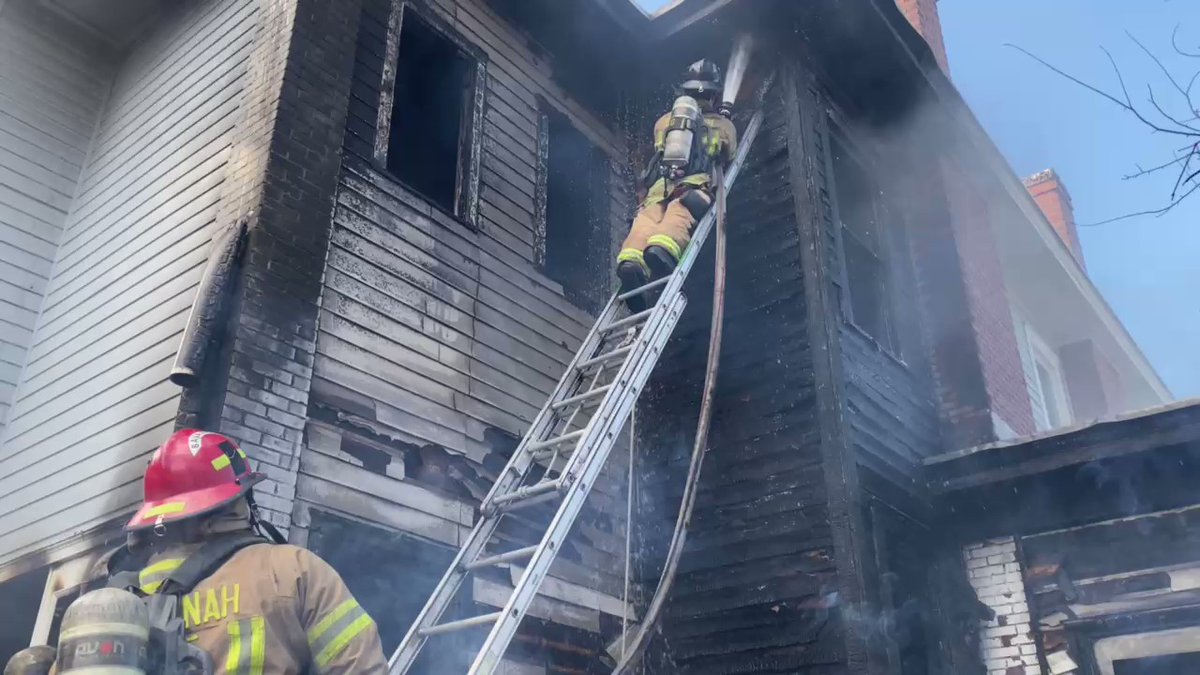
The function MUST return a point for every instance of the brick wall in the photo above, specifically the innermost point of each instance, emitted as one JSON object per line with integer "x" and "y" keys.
{"x": 923, "y": 15}
{"x": 990, "y": 313}
{"x": 1007, "y": 640}
{"x": 284, "y": 167}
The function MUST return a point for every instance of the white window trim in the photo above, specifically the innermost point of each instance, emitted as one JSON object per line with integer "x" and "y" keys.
{"x": 1040, "y": 354}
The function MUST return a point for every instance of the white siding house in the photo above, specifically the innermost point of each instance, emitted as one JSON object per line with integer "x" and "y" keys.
{"x": 93, "y": 399}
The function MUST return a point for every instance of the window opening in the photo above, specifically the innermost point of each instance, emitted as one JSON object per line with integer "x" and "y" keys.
{"x": 429, "y": 143}
{"x": 863, "y": 252}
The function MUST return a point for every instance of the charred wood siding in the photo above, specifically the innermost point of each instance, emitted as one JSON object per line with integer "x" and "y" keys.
{"x": 94, "y": 399}
{"x": 1119, "y": 576}
{"x": 52, "y": 83}
{"x": 758, "y": 569}
{"x": 890, "y": 412}
{"x": 892, "y": 419}
{"x": 438, "y": 341}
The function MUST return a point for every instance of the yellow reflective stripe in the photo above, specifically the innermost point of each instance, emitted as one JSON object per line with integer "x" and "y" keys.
{"x": 330, "y": 652}
{"x": 234, "y": 657}
{"x": 630, "y": 254}
{"x": 667, "y": 243}
{"x": 151, "y": 578}
{"x": 633, "y": 255}
{"x": 165, "y": 565}
{"x": 332, "y": 618}
{"x": 258, "y": 645}
{"x": 220, "y": 462}
{"x": 163, "y": 509}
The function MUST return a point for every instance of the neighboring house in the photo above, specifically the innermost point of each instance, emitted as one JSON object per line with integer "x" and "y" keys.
{"x": 434, "y": 191}
{"x": 1053, "y": 352}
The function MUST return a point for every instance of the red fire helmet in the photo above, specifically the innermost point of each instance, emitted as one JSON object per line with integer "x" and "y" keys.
{"x": 193, "y": 473}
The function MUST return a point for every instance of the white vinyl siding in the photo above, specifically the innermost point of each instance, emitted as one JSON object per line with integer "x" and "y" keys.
{"x": 51, "y": 87}
{"x": 94, "y": 400}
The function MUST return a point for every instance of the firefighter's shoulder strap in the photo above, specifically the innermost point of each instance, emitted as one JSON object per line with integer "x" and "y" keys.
{"x": 124, "y": 566}
{"x": 205, "y": 560}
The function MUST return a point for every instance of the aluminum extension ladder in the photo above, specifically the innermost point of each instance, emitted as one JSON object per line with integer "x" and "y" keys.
{"x": 611, "y": 367}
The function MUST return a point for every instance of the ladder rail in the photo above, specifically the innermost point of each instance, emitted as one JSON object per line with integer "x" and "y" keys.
{"x": 592, "y": 463}
{"x": 513, "y": 472}
{"x": 583, "y": 465}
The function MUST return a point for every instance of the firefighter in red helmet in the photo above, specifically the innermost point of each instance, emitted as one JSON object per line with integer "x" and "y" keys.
{"x": 257, "y": 606}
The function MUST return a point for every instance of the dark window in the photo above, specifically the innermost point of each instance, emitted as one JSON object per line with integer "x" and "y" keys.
{"x": 574, "y": 245}
{"x": 863, "y": 246}
{"x": 429, "y": 142}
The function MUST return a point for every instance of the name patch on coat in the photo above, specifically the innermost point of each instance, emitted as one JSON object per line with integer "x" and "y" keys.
{"x": 207, "y": 606}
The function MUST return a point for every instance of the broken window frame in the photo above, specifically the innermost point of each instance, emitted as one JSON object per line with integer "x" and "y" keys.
{"x": 470, "y": 136}
{"x": 598, "y": 216}
{"x": 880, "y": 251}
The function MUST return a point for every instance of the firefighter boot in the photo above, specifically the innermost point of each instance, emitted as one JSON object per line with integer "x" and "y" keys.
{"x": 631, "y": 276}
{"x": 660, "y": 261}
{"x": 661, "y": 264}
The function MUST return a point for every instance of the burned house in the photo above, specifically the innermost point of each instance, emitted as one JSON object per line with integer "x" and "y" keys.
{"x": 1082, "y": 542}
{"x": 433, "y": 191}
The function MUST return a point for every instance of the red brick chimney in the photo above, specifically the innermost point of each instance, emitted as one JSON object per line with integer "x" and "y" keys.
{"x": 1054, "y": 200}
{"x": 923, "y": 15}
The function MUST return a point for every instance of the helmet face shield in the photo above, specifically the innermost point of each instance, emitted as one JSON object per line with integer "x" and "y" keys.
{"x": 191, "y": 474}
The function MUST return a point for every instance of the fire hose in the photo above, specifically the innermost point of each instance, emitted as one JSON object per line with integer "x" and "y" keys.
{"x": 699, "y": 448}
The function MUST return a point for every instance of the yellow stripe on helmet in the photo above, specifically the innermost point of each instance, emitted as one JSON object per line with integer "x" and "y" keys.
{"x": 164, "y": 509}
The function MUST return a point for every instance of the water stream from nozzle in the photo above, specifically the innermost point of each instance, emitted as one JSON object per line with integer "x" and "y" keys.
{"x": 739, "y": 61}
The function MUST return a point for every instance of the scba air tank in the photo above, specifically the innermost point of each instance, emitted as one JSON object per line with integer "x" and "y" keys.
{"x": 106, "y": 630}
{"x": 679, "y": 143}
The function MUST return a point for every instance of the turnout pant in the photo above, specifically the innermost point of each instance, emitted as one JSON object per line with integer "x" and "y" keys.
{"x": 667, "y": 224}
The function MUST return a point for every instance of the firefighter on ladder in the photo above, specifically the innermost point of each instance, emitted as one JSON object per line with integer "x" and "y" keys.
{"x": 688, "y": 140}
{"x": 255, "y": 606}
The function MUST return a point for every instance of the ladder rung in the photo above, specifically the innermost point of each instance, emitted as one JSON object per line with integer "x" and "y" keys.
{"x": 578, "y": 398}
{"x": 557, "y": 440}
{"x": 528, "y": 491}
{"x": 523, "y": 503}
{"x": 481, "y": 620}
{"x": 642, "y": 289}
{"x": 519, "y": 554}
{"x": 629, "y": 320}
{"x": 607, "y": 356}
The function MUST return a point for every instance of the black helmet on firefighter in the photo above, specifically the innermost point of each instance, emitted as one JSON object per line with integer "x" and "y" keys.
{"x": 702, "y": 80}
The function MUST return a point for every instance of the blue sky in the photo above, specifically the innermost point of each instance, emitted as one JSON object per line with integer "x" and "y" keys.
{"x": 1148, "y": 268}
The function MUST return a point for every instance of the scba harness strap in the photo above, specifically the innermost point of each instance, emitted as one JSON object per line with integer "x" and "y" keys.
{"x": 170, "y": 653}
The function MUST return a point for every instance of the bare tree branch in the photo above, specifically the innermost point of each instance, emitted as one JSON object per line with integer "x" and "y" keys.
{"x": 1170, "y": 78}
{"x": 1143, "y": 172}
{"x": 1179, "y": 179}
{"x": 1178, "y": 49}
{"x": 1186, "y": 158}
{"x": 1164, "y": 113}
{"x": 1127, "y": 105}
{"x": 1153, "y": 212}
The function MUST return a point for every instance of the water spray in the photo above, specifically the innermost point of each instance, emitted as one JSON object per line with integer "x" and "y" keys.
{"x": 739, "y": 62}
